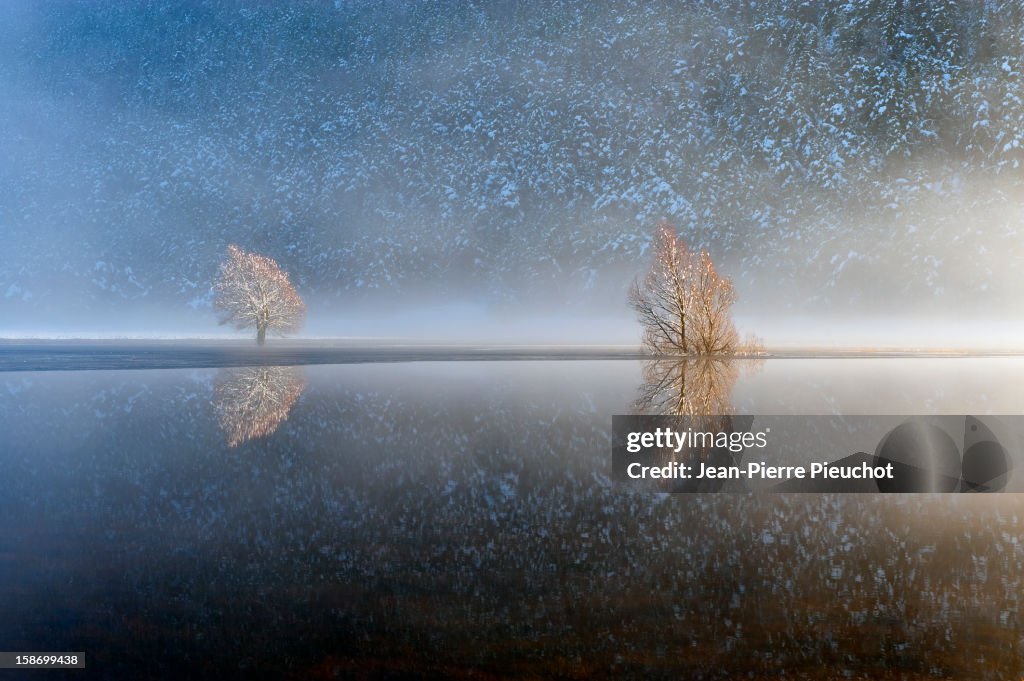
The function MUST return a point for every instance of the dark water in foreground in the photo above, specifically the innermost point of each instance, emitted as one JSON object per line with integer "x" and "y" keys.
{"x": 456, "y": 519}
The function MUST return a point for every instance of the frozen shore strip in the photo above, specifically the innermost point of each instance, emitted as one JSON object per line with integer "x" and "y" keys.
{"x": 81, "y": 355}
{"x": 108, "y": 354}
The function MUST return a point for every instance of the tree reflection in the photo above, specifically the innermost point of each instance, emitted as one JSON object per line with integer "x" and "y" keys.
{"x": 697, "y": 392}
{"x": 253, "y": 402}
{"x": 699, "y": 386}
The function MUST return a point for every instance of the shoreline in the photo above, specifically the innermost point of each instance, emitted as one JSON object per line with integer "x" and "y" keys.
{"x": 24, "y": 355}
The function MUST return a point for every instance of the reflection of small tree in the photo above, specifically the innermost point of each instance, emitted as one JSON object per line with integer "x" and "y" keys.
{"x": 683, "y": 303}
{"x": 253, "y": 291}
{"x": 253, "y": 402}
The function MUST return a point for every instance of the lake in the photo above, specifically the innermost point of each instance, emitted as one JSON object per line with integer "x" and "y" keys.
{"x": 435, "y": 519}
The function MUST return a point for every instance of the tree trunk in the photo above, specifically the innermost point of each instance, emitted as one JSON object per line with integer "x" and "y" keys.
{"x": 261, "y": 334}
{"x": 683, "y": 366}
{"x": 682, "y": 334}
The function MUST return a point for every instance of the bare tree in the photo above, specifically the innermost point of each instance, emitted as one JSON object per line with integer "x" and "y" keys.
{"x": 252, "y": 403}
{"x": 752, "y": 346}
{"x": 253, "y": 291}
{"x": 683, "y": 303}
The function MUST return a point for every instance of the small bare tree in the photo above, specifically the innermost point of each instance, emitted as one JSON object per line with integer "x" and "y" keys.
{"x": 253, "y": 291}
{"x": 683, "y": 303}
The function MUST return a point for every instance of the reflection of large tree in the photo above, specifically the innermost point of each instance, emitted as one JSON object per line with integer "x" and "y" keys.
{"x": 700, "y": 386}
{"x": 696, "y": 391}
{"x": 252, "y": 402}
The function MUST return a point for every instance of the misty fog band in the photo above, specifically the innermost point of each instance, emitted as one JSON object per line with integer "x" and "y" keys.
{"x": 729, "y": 452}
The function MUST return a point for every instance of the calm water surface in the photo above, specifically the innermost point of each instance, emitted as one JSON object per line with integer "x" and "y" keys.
{"x": 446, "y": 519}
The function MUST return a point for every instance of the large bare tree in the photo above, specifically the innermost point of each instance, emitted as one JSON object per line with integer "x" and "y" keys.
{"x": 252, "y": 291}
{"x": 683, "y": 303}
